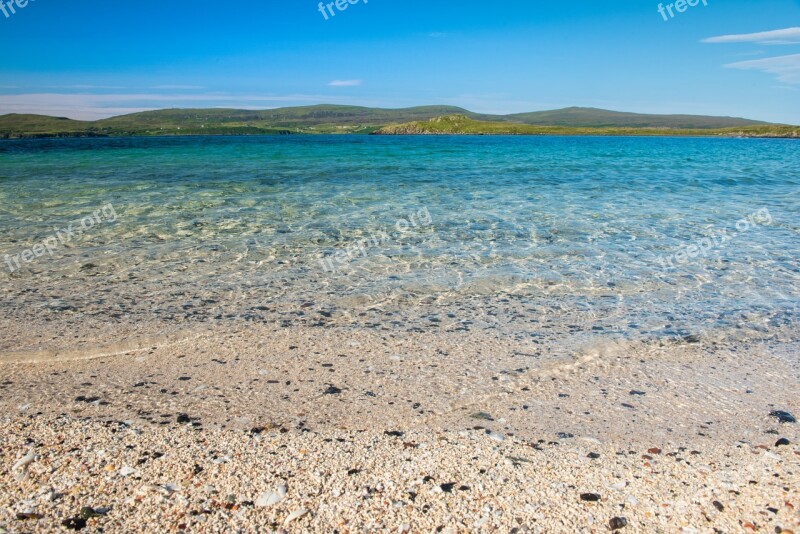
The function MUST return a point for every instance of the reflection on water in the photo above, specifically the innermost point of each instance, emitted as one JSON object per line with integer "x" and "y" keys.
{"x": 546, "y": 238}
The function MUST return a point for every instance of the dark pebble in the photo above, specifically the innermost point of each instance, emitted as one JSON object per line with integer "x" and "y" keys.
{"x": 394, "y": 433}
{"x": 783, "y": 417}
{"x": 26, "y": 517}
{"x": 183, "y": 418}
{"x": 74, "y": 523}
{"x": 447, "y": 488}
{"x": 618, "y": 523}
{"x": 638, "y": 393}
{"x": 87, "y": 513}
{"x": 590, "y": 497}
{"x": 565, "y": 435}
{"x": 782, "y": 442}
{"x": 718, "y": 505}
{"x": 332, "y": 390}
{"x": 593, "y": 456}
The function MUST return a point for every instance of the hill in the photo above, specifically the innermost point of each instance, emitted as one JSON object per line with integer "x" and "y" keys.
{"x": 336, "y": 119}
{"x": 462, "y": 125}
{"x": 601, "y": 118}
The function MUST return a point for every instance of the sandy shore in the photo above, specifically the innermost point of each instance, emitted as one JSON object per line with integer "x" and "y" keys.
{"x": 398, "y": 432}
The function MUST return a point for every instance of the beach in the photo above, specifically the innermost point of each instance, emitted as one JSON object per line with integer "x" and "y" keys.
{"x": 376, "y": 431}
{"x": 322, "y": 334}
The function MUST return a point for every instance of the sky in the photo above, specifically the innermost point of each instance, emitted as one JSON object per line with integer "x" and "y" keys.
{"x": 89, "y": 59}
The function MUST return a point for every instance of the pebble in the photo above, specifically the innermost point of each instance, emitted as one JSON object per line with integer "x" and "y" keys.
{"x": 297, "y": 514}
{"x": 496, "y": 436}
{"x": 782, "y": 442}
{"x": 25, "y": 461}
{"x": 273, "y": 498}
{"x": 783, "y": 417}
{"x": 127, "y": 471}
{"x": 618, "y": 523}
{"x": 590, "y": 497}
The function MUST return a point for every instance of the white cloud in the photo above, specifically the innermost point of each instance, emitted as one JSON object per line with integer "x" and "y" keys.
{"x": 181, "y": 87}
{"x": 345, "y": 83}
{"x": 775, "y": 37}
{"x": 786, "y": 68}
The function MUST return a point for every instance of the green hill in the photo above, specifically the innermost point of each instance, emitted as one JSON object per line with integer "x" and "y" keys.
{"x": 17, "y": 125}
{"x": 601, "y": 118}
{"x": 462, "y": 125}
{"x": 340, "y": 119}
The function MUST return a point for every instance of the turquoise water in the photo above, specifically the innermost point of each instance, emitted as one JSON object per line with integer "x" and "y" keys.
{"x": 547, "y": 238}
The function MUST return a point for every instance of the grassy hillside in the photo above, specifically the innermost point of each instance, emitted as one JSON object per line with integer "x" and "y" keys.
{"x": 343, "y": 119}
{"x": 16, "y": 125}
{"x": 601, "y": 118}
{"x": 462, "y": 125}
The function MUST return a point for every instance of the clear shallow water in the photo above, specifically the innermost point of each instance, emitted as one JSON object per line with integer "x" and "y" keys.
{"x": 555, "y": 239}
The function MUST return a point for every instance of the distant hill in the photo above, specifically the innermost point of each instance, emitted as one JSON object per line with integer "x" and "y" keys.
{"x": 601, "y": 118}
{"x": 333, "y": 119}
{"x": 463, "y": 125}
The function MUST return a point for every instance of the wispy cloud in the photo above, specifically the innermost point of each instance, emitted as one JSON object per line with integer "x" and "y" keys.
{"x": 345, "y": 83}
{"x": 786, "y": 68}
{"x": 177, "y": 87}
{"x": 775, "y": 37}
{"x": 85, "y": 86}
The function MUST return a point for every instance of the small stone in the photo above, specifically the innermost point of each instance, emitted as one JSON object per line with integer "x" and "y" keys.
{"x": 332, "y": 390}
{"x": 783, "y": 417}
{"x": 590, "y": 497}
{"x": 654, "y": 450}
{"x": 88, "y": 512}
{"x": 718, "y": 505}
{"x": 782, "y": 442}
{"x": 447, "y": 488}
{"x": 273, "y": 498}
{"x": 593, "y": 456}
{"x": 74, "y": 523}
{"x": 618, "y": 523}
{"x": 636, "y": 393}
{"x": 394, "y": 433}
{"x": 127, "y": 471}
{"x": 496, "y": 436}
{"x": 297, "y": 514}
{"x": 183, "y": 418}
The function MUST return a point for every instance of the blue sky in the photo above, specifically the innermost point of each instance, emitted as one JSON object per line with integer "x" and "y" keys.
{"x": 96, "y": 58}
